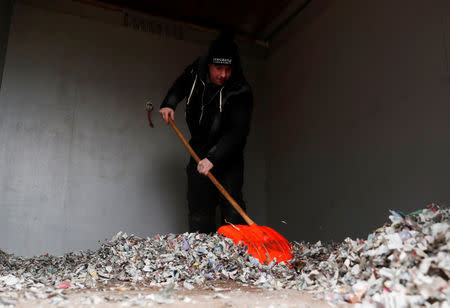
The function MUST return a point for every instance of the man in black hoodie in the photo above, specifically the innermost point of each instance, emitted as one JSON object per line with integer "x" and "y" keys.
{"x": 219, "y": 105}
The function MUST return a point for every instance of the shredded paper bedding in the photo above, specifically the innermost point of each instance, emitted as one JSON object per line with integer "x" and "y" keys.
{"x": 404, "y": 263}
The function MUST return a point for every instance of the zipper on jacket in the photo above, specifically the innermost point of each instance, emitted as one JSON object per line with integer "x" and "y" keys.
{"x": 211, "y": 100}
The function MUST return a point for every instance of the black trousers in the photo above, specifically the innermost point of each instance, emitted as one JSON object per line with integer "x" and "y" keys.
{"x": 203, "y": 197}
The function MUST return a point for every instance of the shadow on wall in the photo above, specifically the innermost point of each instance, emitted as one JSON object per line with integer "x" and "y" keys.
{"x": 309, "y": 14}
{"x": 5, "y": 21}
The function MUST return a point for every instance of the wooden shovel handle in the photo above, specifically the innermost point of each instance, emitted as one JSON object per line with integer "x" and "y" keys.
{"x": 211, "y": 177}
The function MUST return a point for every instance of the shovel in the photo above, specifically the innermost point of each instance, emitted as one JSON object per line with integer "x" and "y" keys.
{"x": 263, "y": 243}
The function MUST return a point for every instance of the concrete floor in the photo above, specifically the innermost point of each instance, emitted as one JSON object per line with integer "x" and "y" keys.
{"x": 219, "y": 294}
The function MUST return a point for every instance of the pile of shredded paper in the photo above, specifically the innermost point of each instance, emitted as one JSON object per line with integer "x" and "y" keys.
{"x": 405, "y": 263}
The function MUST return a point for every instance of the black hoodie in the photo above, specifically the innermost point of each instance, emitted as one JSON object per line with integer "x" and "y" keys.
{"x": 220, "y": 131}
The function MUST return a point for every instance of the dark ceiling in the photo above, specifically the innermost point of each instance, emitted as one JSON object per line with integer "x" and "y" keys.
{"x": 255, "y": 19}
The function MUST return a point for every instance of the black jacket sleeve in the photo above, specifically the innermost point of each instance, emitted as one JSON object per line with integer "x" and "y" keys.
{"x": 237, "y": 129}
{"x": 180, "y": 87}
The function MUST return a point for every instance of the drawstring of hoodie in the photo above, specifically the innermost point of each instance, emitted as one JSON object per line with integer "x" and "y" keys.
{"x": 192, "y": 90}
{"x": 204, "y": 105}
{"x": 220, "y": 100}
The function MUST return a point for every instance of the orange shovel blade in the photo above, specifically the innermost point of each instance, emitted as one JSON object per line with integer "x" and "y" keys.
{"x": 263, "y": 243}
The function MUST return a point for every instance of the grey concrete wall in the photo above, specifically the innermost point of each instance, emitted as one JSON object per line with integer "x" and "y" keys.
{"x": 359, "y": 94}
{"x": 78, "y": 161}
{"x": 5, "y": 20}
